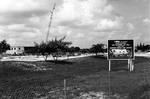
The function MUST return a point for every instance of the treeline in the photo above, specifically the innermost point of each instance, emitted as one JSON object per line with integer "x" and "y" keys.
{"x": 58, "y": 47}
{"x": 142, "y": 47}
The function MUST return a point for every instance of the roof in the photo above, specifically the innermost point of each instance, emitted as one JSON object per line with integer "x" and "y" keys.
{"x": 22, "y": 46}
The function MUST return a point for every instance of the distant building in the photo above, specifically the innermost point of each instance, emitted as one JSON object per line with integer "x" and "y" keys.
{"x": 17, "y": 50}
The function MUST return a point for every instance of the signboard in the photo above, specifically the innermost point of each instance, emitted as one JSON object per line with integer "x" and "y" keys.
{"x": 120, "y": 49}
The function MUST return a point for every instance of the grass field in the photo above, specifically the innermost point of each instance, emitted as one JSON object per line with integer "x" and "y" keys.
{"x": 44, "y": 80}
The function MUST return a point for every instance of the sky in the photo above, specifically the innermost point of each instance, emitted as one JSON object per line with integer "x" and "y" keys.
{"x": 83, "y": 22}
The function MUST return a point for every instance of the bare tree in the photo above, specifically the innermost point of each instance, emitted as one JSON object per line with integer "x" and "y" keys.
{"x": 53, "y": 47}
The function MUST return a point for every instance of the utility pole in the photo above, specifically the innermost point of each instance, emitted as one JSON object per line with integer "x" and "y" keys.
{"x": 50, "y": 22}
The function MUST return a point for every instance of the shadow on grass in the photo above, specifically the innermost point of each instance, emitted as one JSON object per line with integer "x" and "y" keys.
{"x": 142, "y": 92}
{"x": 119, "y": 69}
{"x": 11, "y": 71}
{"x": 62, "y": 62}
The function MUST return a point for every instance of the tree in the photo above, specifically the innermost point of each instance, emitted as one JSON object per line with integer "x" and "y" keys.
{"x": 4, "y": 46}
{"x": 97, "y": 48}
{"x": 142, "y": 47}
{"x": 74, "y": 49}
{"x": 85, "y": 51}
{"x": 71, "y": 51}
{"x": 77, "y": 49}
{"x": 54, "y": 47}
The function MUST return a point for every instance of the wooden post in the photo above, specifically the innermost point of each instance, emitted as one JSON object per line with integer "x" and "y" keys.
{"x": 109, "y": 83}
{"x": 128, "y": 64}
{"x": 109, "y": 78}
{"x": 65, "y": 89}
{"x": 109, "y": 65}
{"x": 132, "y": 65}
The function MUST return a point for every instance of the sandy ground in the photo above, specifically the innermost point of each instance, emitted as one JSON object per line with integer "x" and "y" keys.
{"x": 41, "y": 58}
{"x": 143, "y": 54}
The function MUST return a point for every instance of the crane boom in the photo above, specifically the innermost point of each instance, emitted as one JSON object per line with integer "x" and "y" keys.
{"x": 50, "y": 22}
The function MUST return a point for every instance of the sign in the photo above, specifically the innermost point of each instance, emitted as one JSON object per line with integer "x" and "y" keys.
{"x": 120, "y": 49}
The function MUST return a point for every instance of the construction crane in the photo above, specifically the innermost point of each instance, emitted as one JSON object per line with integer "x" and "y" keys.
{"x": 50, "y": 22}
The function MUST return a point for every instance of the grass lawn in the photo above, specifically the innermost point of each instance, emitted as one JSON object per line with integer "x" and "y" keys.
{"x": 33, "y": 80}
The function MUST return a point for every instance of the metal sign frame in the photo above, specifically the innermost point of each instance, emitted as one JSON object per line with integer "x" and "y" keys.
{"x": 125, "y": 47}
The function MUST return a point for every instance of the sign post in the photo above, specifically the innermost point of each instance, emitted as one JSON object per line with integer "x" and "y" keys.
{"x": 128, "y": 64}
{"x": 109, "y": 65}
{"x": 109, "y": 77}
{"x": 121, "y": 50}
{"x": 131, "y": 65}
{"x": 109, "y": 82}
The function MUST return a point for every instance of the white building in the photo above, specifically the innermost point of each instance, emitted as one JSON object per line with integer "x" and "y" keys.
{"x": 15, "y": 50}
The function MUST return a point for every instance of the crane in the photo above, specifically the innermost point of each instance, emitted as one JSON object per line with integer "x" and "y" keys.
{"x": 50, "y": 22}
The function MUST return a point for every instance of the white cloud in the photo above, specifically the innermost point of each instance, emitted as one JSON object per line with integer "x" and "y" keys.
{"x": 26, "y": 21}
{"x": 130, "y": 26}
{"x": 108, "y": 24}
{"x": 68, "y": 11}
{"x": 11, "y": 41}
{"x": 147, "y": 21}
{"x": 82, "y": 13}
{"x": 22, "y": 5}
{"x": 79, "y": 35}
